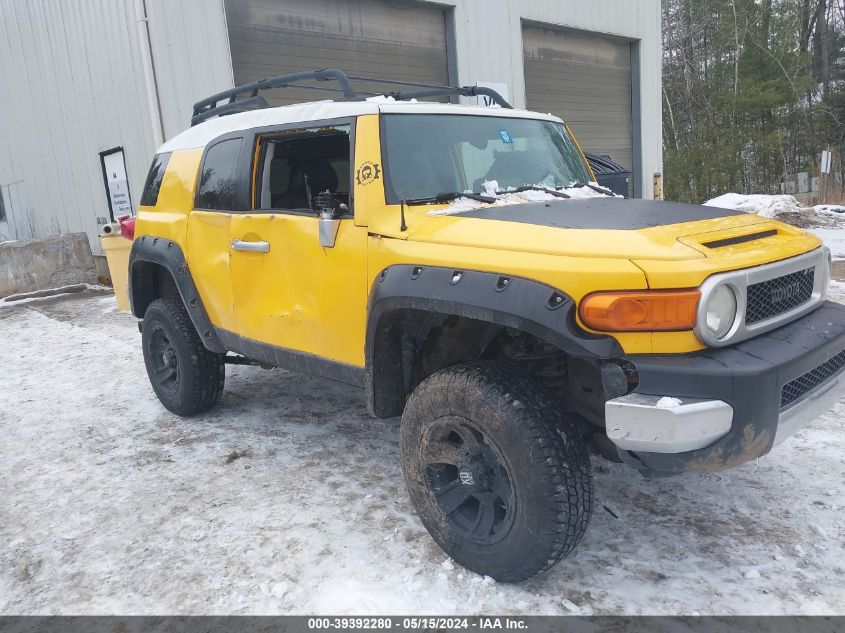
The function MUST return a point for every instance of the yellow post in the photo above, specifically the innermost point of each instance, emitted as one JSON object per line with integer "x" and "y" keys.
{"x": 117, "y": 250}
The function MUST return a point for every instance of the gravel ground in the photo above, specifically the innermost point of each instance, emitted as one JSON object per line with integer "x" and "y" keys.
{"x": 288, "y": 498}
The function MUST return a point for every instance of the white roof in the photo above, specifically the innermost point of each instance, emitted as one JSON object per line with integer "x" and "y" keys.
{"x": 200, "y": 135}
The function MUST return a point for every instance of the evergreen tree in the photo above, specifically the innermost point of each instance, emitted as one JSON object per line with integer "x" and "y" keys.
{"x": 754, "y": 90}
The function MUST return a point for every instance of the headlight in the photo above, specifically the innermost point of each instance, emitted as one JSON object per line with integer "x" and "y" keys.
{"x": 827, "y": 274}
{"x": 720, "y": 311}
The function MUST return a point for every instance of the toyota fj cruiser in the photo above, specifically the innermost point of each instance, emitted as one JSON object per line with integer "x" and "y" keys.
{"x": 458, "y": 263}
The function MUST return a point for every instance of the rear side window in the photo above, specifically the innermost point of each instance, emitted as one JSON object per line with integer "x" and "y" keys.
{"x": 153, "y": 185}
{"x": 218, "y": 176}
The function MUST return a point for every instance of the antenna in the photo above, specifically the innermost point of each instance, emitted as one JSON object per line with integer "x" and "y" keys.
{"x": 402, "y": 226}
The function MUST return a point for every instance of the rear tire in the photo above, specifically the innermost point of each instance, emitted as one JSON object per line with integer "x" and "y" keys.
{"x": 186, "y": 376}
{"x": 498, "y": 476}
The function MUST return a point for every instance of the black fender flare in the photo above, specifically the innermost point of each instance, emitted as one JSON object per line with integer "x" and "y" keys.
{"x": 506, "y": 300}
{"x": 168, "y": 254}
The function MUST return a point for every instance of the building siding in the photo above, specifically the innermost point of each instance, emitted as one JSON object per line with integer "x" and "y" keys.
{"x": 73, "y": 84}
{"x": 494, "y": 27}
{"x": 74, "y": 75}
{"x": 190, "y": 48}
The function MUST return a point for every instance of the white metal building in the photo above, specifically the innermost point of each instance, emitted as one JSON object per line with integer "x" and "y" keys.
{"x": 91, "y": 87}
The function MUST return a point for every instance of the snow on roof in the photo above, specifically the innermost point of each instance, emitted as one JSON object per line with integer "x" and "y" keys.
{"x": 200, "y": 135}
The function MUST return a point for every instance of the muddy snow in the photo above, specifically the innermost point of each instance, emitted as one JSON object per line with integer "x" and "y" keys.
{"x": 288, "y": 498}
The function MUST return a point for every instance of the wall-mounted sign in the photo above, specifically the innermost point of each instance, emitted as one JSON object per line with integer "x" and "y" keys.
{"x": 498, "y": 86}
{"x": 116, "y": 182}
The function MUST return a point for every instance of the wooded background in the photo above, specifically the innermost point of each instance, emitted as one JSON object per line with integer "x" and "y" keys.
{"x": 754, "y": 90}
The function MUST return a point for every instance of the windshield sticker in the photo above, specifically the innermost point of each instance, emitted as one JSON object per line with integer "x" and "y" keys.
{"x": 367, "y": 173}
{"x": 506, "y": 137}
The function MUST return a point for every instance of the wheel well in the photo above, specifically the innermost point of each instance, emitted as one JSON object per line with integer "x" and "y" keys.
{"x": 150, "y": 281}
{"x": 409, "y": 345}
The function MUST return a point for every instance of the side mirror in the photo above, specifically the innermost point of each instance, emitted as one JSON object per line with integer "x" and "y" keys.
{"x": 329, "y": 223}
{"x": 329, "y": 226}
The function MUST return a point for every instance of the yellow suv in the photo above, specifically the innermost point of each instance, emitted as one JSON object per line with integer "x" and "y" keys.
{"x": 459, "y": 264}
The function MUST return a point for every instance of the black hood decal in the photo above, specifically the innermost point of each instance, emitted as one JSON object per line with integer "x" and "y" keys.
{"x": 600, "y": 213}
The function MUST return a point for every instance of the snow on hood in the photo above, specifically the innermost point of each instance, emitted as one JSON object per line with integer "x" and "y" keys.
{"x": 491, "y": 187}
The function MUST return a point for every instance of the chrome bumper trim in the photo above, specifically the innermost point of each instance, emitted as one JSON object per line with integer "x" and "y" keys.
{"x": 656, "y": 424}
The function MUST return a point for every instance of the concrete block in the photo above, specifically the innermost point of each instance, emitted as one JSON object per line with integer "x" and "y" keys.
{"x": 102, "y": 266}
{"x": 803, "y": 182}
{"x": 55, "y": 261}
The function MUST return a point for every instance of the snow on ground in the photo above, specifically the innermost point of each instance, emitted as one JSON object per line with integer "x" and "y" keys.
{"x": 288, "y": 498}
{"x": 836, "y": 209}
{"x": 834, "y": 239}
{"x": 825, "y": 221}
{"x": 766, "y": 206}
{"x": 771, "y": 206}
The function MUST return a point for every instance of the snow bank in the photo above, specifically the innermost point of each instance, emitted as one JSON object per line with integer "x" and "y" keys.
{"x": 826, "y": 221}
{"x": 759, "y": 204}
{"x": 835, "y": 209}
{"x": 491, "y": 187}
{"x": 771, "y": 206}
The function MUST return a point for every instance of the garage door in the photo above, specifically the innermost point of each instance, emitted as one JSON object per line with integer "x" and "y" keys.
{"x": 585, "y": 80}
{"x": 375, "y": 38}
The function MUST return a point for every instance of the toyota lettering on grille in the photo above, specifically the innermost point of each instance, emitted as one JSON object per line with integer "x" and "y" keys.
{"x": 786, "y": 292}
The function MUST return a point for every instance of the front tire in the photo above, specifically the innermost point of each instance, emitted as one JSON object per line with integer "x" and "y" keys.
{"x": 498, "y": 476}
{"x": 186, "y": 376}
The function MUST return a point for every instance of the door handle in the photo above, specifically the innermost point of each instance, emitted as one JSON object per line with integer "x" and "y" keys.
{"x": 252, "y": 247}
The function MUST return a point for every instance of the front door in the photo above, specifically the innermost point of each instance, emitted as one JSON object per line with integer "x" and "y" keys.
{"x": 288, "y": 290}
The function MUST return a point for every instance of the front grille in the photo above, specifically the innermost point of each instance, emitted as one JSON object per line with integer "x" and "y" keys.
{"x": 775, "y": 296}
{"x": 794, "y": 389}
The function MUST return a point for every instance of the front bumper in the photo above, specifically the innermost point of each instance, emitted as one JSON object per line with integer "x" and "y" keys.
{"x": 718, "y": 408}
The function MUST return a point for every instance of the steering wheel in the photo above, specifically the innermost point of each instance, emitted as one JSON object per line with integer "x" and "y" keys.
{"x": 542, "y": 169}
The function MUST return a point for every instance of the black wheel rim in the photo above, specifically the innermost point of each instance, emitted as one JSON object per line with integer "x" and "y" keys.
{"x": 163, "y": 360}
{"x": 469, "y": 480}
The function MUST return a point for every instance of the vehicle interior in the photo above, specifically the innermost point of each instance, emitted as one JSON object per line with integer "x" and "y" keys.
{"x": 298, "y": 166}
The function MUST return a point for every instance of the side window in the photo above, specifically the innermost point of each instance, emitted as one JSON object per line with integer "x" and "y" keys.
{"x": 2, "y": 207}
{"x": 297, "y": 166}
{"x": 218, "y": 176}
{"x": 149, "y": 197}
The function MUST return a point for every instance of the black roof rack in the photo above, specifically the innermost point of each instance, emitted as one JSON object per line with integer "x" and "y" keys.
{"x": 247, "y": 97}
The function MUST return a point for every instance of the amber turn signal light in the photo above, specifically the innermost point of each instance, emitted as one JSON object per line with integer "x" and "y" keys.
{"x": 640, "y": 310}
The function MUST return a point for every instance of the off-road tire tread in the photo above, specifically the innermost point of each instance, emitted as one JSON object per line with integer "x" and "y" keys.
{"x": 207, "y": 368}
{"x": 559, "y": 451}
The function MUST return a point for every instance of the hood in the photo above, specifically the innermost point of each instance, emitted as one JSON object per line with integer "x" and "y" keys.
{"x": 603, "y": 227}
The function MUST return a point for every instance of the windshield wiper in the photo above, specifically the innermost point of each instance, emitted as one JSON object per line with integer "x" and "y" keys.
{"x": 596, "y": 188}
{"x": 452, "y": 195}
{"x": 553, "y": 192}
